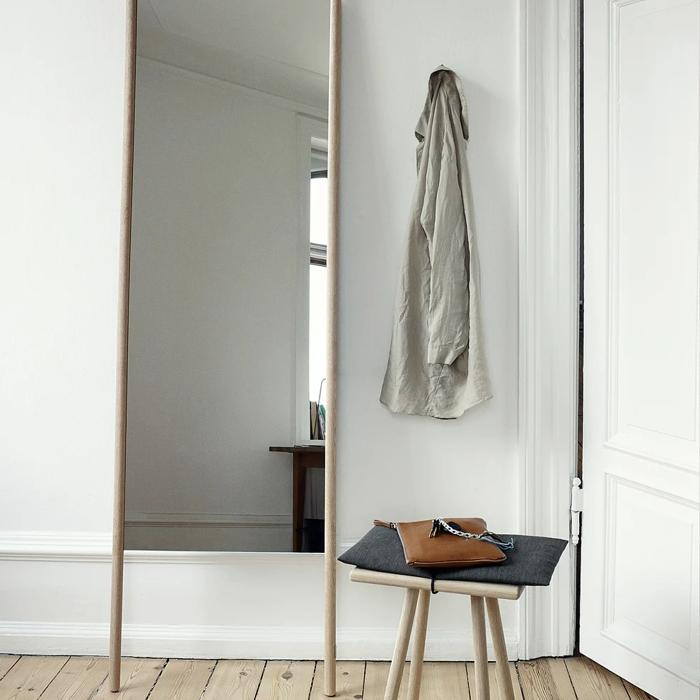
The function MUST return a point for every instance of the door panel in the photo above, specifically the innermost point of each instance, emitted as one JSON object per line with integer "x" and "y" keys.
{"x": 653, "y": 228}
{"x": 640, "y": 546}
{"x": 637, "y": 612}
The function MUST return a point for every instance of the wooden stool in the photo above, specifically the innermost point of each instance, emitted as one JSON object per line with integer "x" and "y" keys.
{"x": 415, "y": 606}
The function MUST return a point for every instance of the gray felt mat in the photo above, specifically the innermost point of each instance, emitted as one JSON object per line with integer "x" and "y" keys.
{"x": 530, "y": 563}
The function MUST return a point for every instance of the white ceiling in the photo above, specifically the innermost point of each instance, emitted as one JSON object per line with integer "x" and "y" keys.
{"x": 277, "y": 46}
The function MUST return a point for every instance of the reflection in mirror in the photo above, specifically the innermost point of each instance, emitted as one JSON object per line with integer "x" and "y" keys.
{"x": 227, "y": 337}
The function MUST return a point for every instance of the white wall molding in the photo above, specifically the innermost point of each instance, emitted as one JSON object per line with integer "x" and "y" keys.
{"x": 33, "y": 545}
{"x": 211, "y": 641}
{"x": 548, "y": 291}
{"x": 96, "y": 548}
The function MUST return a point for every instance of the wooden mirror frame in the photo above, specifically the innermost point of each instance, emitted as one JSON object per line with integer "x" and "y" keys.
{"x": 115, "y": 640}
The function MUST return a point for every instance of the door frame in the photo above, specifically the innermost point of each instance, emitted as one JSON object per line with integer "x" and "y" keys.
{"x": 549, "y": 236}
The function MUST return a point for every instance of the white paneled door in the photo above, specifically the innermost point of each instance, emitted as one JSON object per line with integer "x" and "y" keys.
{"x": 640, "y": 546}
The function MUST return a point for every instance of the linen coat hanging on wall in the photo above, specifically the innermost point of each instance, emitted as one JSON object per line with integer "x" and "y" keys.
{"x": 436, "y": 365}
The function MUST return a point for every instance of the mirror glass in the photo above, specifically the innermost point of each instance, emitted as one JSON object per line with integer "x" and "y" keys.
{"x": 227, "y": 328}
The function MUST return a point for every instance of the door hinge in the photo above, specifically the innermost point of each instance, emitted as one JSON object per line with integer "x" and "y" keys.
{"x": 576, "y": 508}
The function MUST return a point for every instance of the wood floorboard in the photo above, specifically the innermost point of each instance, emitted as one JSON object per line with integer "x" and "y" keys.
{"x": 493, "y": 680}
{"x": 85, "y": 678}
{"x": 183, "y": 679}
{"x": 79, "y": 679}
{"x": 545, "y": 679}
{"x": 350, "y": 681}
{"x": 635, "y": 693}
{"x": 444, "y": 679}
{"x": 593, "y": 682}
{"x": 30, "y": 676}
{"x": 6, "y": 663}
{"x": 515, "y": 681}
{"x": 376, "y": 674}
{"x": 234, "y": 680}
{"x": 138, "y": 678}
{"x": 287, "y": 680}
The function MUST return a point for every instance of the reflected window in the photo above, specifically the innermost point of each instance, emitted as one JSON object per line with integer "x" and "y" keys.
{"x": 318, "y": 302}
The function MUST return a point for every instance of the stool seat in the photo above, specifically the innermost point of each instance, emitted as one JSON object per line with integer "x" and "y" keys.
{"x": 531, "y": 562}
{"x": 379, "y": 559}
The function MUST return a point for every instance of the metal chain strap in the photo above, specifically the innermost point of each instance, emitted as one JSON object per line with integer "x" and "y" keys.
{"x": 440, "y": 524}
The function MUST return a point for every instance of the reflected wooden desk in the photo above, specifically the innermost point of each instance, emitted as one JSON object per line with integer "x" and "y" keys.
{"x": 303, "y": 457}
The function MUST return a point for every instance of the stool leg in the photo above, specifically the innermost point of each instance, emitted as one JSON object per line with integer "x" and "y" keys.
{"x": 416, "y": 672}
{"x": 479, "y": 635}
{"x": 397, "y": 662}
{"x": 499, "y": 646}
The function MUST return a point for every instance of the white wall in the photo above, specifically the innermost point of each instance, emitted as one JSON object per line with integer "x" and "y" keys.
{"x": 408, "y": 467}
{"x": 61, "y": 175}
{"x": 214, "y": 289}
{"x": 389, "y": 466}
{"x": 61, "y": 122}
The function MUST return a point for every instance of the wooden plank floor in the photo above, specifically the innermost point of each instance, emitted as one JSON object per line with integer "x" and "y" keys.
{"x": 85, "y": 678}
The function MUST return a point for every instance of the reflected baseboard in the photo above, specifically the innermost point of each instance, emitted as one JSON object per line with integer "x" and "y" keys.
{"x": 238, "y": 532}
{"x": 136, "y": 519}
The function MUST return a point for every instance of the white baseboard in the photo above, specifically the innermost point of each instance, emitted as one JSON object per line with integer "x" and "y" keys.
{"x": 211, "y": 642}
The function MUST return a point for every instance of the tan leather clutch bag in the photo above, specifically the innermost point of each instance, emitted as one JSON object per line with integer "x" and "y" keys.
{"x": 445, "y": 550}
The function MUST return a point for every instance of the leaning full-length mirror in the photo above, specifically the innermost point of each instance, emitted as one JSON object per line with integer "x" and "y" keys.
{"x": 226, "y": 409}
